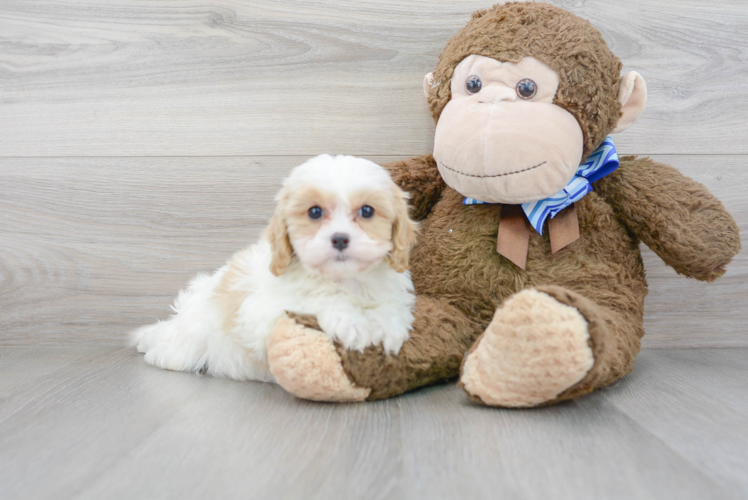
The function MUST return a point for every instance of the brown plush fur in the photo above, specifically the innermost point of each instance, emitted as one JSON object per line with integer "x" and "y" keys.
{"x": 441, "y": 335}
{"x": 680, "y": 220}
{"x": 461, "y": 280}
{"x": 568, "y": 44}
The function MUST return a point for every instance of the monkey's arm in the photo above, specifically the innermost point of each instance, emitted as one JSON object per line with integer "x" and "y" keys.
{"x": 678, "y": 218}
{"x": 420, "y": 177}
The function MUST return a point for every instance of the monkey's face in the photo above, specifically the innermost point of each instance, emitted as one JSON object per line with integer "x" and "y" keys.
{"x": 500, "y": 138}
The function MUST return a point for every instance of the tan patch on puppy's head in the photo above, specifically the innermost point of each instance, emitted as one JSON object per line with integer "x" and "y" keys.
{"x": 390, "y": 222}
{"x": 297, "y": 210}
{"x": 378, "y": 227}
{"x": 291, "y": 220}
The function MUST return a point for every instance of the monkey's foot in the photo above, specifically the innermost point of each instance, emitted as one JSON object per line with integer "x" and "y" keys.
{"x": 304, "y": 362}
{"x": 534, "y": 349}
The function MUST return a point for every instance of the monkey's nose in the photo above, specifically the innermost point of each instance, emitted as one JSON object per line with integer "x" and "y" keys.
{"x": 495, "y": 94}
{"x": 340, "y": 241}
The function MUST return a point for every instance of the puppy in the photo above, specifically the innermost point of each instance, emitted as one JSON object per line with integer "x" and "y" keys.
{"x": 337, "y": 247}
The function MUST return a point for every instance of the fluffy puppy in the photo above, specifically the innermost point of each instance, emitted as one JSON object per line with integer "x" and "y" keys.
{"x": 337, "y": 247}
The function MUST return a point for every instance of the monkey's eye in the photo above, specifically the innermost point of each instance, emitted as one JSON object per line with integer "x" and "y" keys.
{"x": 527, "y": 89}
{"x": 366, "y": 212}
{"x": 473, "y": 84}
{"x": 315, "y": 213}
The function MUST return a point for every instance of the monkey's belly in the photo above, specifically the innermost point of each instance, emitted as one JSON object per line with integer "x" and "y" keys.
{"x": 456, "y": 259}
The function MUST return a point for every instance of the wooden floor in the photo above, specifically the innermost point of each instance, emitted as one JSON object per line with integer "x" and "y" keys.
{"x": 141, "y": 142}
{"x": 96, "y": 422}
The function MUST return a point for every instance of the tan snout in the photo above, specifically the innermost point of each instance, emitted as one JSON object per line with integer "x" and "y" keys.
{"x": 499, "y": 149}
{"x": 496, "y": 94}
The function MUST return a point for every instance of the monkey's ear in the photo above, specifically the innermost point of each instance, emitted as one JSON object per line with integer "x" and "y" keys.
{"x": 633, "y": 97}
{"x": 428, "y": 82}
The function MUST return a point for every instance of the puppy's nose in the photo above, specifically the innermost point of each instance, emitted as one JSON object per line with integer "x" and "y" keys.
{"x": 340, "y": 241}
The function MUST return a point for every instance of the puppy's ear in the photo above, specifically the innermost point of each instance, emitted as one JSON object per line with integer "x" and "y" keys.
{"x": 277, "y": 235}
{"x": 403, "y": 232}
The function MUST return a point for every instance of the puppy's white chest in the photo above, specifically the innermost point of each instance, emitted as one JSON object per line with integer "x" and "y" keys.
{"x": 358, "y": 291}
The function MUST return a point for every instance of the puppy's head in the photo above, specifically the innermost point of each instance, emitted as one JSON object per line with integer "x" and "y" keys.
{"x": 340, "y": 215}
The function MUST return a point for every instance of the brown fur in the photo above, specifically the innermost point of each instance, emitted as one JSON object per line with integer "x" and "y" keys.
{"x": 675, "y": 216}
{"x": 459, "y": 277}
{"x": 441, "y": 334}
{"x": 601, "y": 274}
{"x": 420, "y": 178}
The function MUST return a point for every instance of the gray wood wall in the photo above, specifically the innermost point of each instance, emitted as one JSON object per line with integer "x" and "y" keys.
{"x": 141, "y": 141}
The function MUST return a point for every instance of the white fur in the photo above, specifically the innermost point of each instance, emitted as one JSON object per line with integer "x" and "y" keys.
{"x": 358, "y": 298}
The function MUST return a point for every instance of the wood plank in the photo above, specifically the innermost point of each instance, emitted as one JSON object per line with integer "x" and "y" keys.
{"x": 585, "y": 449}
{"x": 91, "y": 248}
{"x": 158, "y": 77}
{"x": 694, "y": 400}
{"x": 108, "y": 426}
{"x": 86, "y": 244}
{"x": 64, "y": 428}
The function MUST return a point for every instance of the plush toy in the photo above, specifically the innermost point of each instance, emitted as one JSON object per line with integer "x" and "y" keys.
{"x": 530, "y": 284}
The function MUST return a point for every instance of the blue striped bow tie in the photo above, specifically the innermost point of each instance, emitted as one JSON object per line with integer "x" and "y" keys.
{"x": 603, "y": 161}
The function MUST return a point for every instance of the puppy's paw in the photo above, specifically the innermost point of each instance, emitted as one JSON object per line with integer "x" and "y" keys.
{"x": 390, "y": 329}
{"x": 351, "y": 328}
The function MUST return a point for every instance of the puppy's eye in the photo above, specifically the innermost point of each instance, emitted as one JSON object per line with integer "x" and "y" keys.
{"x": 315, "y": 213}
{"x": 473, "y": 84}
{"x": 527, "y": 89}
{"x": 366, "y": 212}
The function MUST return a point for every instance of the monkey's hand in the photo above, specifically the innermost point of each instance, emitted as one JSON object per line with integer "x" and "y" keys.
{"x": 304, "y": 361}
{"x": 420, "y": 177}
{"x": 678, "y": 218}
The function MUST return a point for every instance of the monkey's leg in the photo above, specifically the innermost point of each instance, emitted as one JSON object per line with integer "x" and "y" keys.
{"x": 547, "y": 345}
{"x": 306, "y": 363}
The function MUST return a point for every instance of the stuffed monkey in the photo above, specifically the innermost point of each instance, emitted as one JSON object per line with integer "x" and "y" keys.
{"x": 529, "y": 280}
